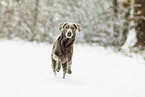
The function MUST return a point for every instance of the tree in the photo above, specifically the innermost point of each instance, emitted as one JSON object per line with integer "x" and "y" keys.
{"x": 115, "y": 16}
{"x": 140, "y": 20}
{"x": 35, "y": 20}
{"x": 132, "y": 34}
{"x": 126, "y": 6}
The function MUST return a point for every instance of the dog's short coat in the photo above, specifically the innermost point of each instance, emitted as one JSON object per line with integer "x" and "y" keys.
{"x": 63, "y": 48}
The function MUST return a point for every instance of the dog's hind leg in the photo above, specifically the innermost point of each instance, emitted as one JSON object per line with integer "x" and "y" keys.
{"x": 64, "y": 66}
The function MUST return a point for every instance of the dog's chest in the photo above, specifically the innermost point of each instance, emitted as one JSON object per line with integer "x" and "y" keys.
{"x": 66, "y": 51}
{"x": 66, "y": 46}
{"x": 64, "y": 54}
{"x": 63, "y": 49}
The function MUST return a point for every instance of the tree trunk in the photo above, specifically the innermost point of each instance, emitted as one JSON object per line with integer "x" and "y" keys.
{"x": 115, "y": 16}
{"x": 35, "y": 20}
{"x": 36, "y": 12}
{"x": 126, "y": 5}
{"x": 140, "y": 13}
{"x": 132, "y": 34}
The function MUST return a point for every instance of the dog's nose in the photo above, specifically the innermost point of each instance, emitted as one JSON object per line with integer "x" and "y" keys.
{"x": 69, "y": 34}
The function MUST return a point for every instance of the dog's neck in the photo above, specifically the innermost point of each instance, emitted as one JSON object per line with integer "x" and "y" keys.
{"x": 66, "y": 42}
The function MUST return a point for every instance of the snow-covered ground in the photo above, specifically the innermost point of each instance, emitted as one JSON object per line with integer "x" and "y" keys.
{"x": 25, "y": 71}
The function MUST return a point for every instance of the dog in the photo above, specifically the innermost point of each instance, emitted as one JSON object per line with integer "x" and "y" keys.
{"x": 62, "y": 50}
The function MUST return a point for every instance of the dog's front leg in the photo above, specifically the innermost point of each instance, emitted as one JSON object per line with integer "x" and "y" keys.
{"x": 58, "y": 65}
{"x": 64, "y": 66}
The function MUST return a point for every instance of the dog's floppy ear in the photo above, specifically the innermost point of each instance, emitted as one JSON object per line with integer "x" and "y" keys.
{"x": 78, "y": 26}
{"x": 60, "y": 26}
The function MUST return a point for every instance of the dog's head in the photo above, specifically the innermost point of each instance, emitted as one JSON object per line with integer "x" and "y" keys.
{"x": 69, "y": 29}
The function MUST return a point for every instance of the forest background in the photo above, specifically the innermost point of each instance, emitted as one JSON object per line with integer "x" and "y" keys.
{"x": 116, "y": 23}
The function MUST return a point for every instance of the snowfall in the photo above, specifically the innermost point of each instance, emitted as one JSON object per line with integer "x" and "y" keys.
{"x": 25, "y": 71}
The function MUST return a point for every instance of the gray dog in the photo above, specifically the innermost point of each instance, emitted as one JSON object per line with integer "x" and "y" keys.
{"x": 63, "y": 48}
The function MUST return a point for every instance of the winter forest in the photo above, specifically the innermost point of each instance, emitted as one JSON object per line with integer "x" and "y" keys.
{"x": 106, "y": 23}
{"x": 109, "y": 52}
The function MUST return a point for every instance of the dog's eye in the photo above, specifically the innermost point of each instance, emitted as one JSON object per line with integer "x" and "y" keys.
{"x": 66, "y": 27}
{"x": 73, "y": 28}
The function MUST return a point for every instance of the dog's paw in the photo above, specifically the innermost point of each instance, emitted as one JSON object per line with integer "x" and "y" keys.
{"x": 57, "y": 70}
{"x": 69, "y": 71}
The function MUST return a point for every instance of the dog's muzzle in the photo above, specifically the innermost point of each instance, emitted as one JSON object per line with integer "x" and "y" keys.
{"x": 69, "y": 34}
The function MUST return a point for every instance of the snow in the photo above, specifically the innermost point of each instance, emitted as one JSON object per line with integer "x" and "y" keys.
{"x": 130, "y": 41}
{"x": 25, "y": 71}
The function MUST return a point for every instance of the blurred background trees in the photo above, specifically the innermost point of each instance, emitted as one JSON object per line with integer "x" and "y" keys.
{"x": 140, "y": 20}
{"x": 135, "y": 21}
{"x": 104, "y": 22}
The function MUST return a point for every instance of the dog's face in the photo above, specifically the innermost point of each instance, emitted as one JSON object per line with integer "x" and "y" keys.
{"x": 69, "y": 29}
